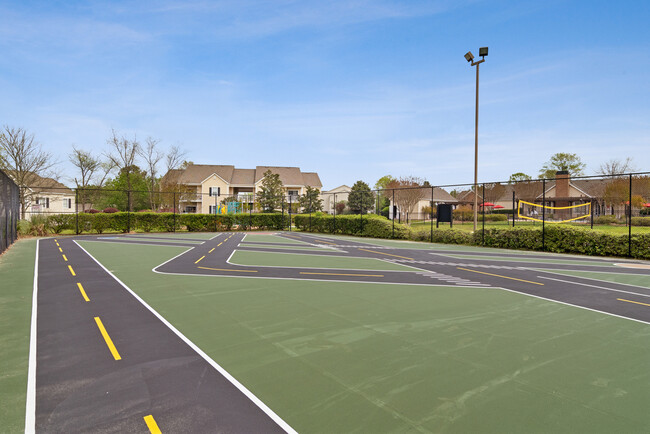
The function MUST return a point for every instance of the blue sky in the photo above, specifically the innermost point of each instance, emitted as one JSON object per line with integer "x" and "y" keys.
{"x": 351, "y": 89}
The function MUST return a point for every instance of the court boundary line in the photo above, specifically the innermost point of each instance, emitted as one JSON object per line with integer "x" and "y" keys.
{"x": 594, "y": 286}
{"x": 543, "y": 270}
{"x": 30, "y": 399}
{"x": 270, "y": 413}
{"x": 321, "y": 268}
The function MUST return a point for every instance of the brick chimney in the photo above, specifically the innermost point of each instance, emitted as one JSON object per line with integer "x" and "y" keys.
{"x": 561, "y": 184}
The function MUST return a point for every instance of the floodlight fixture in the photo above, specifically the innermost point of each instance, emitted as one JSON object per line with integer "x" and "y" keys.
{"x": 483, "y": 51}
{"x": 469, "y": 56}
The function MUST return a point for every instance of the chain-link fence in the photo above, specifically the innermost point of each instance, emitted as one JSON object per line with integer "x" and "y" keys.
{"x": 618, "y": 205}
{"x": 9, "y": 211}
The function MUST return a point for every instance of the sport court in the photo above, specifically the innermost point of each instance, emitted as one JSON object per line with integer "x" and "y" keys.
{"x": 295, "y": 331}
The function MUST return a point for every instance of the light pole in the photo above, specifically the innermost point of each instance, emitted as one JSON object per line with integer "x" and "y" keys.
{"x": 483, "y": 51}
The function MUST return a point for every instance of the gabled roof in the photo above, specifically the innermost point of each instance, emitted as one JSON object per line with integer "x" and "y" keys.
{"x": 243, "y": 177}
{"x": 440, "y": 195}
{"x": 41, "y": 184}
{"x": 311, "y": 179}
{"x": 340, "y": 189}
{"x": 288, "y": 175}
{"x": 197, "y": 173}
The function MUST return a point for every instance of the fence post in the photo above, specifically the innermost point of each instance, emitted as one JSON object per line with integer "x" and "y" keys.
{"x": 290, "y": 206}
{"x": 544, "y": 214}
{"x": 334, "y": 229}
{"x": 513, "y": 208}
{"x": 392, "y": 210}
{"x": 483, "y": 212}
{"x": 128, "y": 211}
{"x": 431, "y": 215}
{"x": 309, "y": 213}
{"x": 215, "y": 210}
{"x": 629, "y": 235}
{"x": 76, "y": 209}
{"x": 174, "y": 210}
{"x": 251, "y": 198}
{"x": 591, "y": 207}
{"x": 282, "y": 200}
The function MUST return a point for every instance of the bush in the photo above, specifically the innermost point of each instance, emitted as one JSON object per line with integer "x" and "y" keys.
{"x": 60, "y": 222}
{"x": 606, "y": 220}
{"x": 111, "y": 210}
{"x": 92, "y": 211}
{"x": 367, "y": 226}
{"x": 640, "y": 221}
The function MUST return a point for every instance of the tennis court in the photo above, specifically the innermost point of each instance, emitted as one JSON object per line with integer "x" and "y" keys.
{"x": 339, "y": 334}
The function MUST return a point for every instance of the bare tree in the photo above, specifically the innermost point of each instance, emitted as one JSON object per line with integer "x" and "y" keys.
{"x": 493, "y": 192}
{"x": 87, "y": 166}
{"x": 616, "y": 167}
{"x": 24, "y": 160}
{"x": 407, "y": 193}
{"x": 152, "y": 157}
{"x": 123, "y": 156}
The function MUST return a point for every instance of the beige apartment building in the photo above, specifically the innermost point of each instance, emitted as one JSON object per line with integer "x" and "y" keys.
{"x": 207, "y": 185}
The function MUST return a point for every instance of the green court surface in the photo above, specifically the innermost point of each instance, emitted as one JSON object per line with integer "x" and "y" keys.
{"x": 356, "y": 357}
{"x": 267, "y": 238}
{"x": 288, "y": 247}
{"x": 160, "y": 240}
{"x": 16, "y": 289}
{"x": 296, "y": 260}
{"x": 197, "y": 235}
{"x": 628, "y": 279}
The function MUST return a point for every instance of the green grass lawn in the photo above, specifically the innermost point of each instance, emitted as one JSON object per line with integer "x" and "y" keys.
{"x": 16, "y": 288}
{"x": 354, "y": 357}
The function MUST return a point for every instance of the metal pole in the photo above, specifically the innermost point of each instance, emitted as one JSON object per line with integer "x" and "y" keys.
{"x": 76, "y": 209}
{"x": 513, "y": 208}
{"x": 591, "y": 206}
{"x": 334, "y": 229}
{"x": 128, "y": 211}
{"x": 251, "y": 201}
{"x": 290, "y": 206}
{"x": 629, "y": 236}
{"x": 476, "y": 156}
{"x": 215, "y": 212}
{"x": 544, "y": 214}
{"x": 431, "y": 215}
{"x": 392, "y": 210}
{"x": 174, "y": 209}
{"x": 309, "y": 213}
{"x": 282, "y": 199}
{"x": 483, "y": 211}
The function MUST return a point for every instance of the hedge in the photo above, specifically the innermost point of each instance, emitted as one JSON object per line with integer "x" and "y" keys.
{"x": 558, "y": 239}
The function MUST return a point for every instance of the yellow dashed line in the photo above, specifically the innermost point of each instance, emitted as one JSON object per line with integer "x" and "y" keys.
{"x": 212, "y": 250}
{"x": 200, "y": 259}
{"x": 65, "y": 258}
{"x": 226, "y": 269}
{"x": 60, "y": 250}
{"x": 83, "y": 293}
{"x": 71, "y": 270}
{"x": 341, "y": 274}
{"x": 635, "y": 302}
{"x": 387, "y": 254}
{"x": 498, "y": 275}
{"x": 108, "y": 339}
{"x": 152, "y": 425}
{"x": 220, "y": 244}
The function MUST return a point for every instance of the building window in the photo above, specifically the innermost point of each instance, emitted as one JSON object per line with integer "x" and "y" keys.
{"x": 293, "y": 192}
{"x": 67, "y": 203}
{"x": 215, "y": 191}
{"x": 43, "y": 201}
{"x": 190, "y": 209}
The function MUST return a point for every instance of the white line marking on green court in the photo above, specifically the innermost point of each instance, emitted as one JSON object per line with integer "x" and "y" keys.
{"x": 30, "y": 402}
{"x": 270, "y": 413}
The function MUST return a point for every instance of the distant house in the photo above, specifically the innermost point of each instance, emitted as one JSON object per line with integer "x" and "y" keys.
{"x": 46, "y": 196}
{"x": 333, "y": 196}
{"x": 421, "y": 209}
{"x": 207, "y": 185}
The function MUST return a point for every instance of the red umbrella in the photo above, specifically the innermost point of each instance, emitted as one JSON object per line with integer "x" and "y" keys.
{"x": 498, "y": 206}
{"x": 647, "y": 205}
{"x": 487, "y": 204}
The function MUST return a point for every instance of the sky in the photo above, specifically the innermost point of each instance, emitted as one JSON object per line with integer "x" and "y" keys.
{"x": 353, "y": 90}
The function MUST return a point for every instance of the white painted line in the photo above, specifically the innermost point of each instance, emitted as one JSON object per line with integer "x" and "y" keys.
{"x": 574, "y": 305}
{"x": 218, "y": 235}
{"x": 30, "y": 404}
{"x": 106, "y": 240}
{"x": 281, "y": 423}
{"x": 558, "y": 272}
{"x": 594, "y": 286}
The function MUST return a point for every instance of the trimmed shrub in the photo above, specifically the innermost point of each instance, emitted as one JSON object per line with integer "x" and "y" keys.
{"x": 57, "y": 223}
{"x": 640, "y": 221}
{"x": 367, "y": 226}
{"x": 606, "y": 220}
{"x": 111, "y": 210}
{"x": 92, "y": 211}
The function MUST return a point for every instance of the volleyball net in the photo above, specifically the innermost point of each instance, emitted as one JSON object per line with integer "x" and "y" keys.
{"x": 553, "y": 214}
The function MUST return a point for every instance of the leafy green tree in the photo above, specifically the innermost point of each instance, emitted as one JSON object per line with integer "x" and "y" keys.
{"x": 271, "y": 194}
{"x": 562, "y": 161}
{"x": 310, "y": 201}
{"x": 519, "y": 176}
{"x": 381, "y": 185}
{"x": 115, "y": 194}
{"x": 360, "y": 199}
